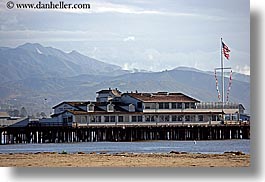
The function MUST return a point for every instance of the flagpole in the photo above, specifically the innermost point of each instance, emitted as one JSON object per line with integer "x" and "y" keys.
{"x": 222, "y": 75}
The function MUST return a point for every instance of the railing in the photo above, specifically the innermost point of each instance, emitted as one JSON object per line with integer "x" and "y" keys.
{"x": 177, "y": 123}
{"x": 201, "y": 105}
{"x": 216, "y": 105}
{"x": 137, "y": 124}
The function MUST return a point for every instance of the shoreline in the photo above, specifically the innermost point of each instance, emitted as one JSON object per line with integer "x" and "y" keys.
{"x": 81, "y": 159}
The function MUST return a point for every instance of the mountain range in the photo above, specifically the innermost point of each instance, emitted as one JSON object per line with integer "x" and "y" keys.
{"x": 39, "y": 77}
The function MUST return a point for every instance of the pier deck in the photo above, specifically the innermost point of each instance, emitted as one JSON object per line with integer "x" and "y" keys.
{"x": 122, "y": 132}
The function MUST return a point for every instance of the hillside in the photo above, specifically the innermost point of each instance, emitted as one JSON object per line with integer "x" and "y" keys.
{"x": 35, "y": 61}
{"x": 39, "y": 77}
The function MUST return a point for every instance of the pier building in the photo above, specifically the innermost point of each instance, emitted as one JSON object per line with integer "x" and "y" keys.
{"x": 113, "y": 107}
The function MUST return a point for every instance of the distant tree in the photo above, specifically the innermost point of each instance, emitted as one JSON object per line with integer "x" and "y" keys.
{"x": 16, "y": 113}
{"x": 13, "y": 113}
{"x": 23, "y": 112}
{"x": 43, "y": 115}
{"x": 37, "y": 115}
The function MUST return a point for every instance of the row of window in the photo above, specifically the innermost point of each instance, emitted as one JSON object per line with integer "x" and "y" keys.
{"x": 170, "y": 105}
{"x": 166, "y": 118}
{"x": 149, "y": 118}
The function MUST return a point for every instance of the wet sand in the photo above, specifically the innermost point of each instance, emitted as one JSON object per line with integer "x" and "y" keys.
{"x": 124, "y": 160}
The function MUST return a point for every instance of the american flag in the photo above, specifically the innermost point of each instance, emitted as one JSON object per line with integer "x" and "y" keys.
{"x": 226, "y": 50}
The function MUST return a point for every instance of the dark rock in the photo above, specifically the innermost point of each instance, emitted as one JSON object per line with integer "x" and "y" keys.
{"x": 174, "y": 152}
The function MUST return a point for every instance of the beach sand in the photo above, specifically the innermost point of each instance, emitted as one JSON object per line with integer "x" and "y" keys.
{"x": 124, "y": 160}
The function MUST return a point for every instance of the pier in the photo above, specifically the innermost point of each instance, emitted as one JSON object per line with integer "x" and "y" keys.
{"x": 121, "y": 133}
{"x": 117, "y": 116}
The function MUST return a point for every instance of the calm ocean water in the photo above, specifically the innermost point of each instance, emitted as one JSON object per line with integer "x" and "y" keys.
{"x": 135, "y": 147}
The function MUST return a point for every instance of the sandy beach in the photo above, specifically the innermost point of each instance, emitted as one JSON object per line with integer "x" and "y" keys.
{"x": 124, "y": 160}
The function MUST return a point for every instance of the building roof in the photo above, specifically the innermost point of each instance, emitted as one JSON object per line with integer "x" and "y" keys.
{"x": 100, "y": 112}
{"x": 162, "y": 97}
{"x": 77, "y": 112}
{"x": 241, "y": 106}
{"x": 74, "y": 103}
{"x": 4, "y": 115}
{"x": 115, "y": 92}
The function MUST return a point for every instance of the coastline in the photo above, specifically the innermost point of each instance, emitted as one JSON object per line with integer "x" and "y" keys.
{"x": 173, "y": 159}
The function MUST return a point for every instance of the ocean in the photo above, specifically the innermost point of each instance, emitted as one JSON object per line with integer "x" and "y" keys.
{"x": 207, "y": 147}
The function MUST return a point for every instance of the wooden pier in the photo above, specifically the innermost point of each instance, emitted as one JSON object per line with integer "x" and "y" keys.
{"x": 120, "y": 133}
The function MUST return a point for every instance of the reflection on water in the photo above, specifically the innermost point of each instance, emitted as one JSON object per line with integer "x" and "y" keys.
{"x": 135, "y": 147}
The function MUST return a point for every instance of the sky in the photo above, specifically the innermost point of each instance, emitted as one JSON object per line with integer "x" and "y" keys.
{"x": 147, "y": 35}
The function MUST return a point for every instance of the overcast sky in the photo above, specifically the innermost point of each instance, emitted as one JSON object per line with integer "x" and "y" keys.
{"x": 152, "y": 35}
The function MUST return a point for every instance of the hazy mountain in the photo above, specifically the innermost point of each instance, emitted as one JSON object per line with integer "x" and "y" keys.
{"x": 241, "y": 77}
{"x": 39, "y": 77}
{"x": 235, "y": 76}
{"x": 183, "y": 68}
{"x": 36, "y": 61}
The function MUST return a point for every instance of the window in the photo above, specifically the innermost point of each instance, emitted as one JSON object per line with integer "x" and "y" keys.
{"x": 131, "y": 108}
{"x": 147, "y": 106}
{"x": 192, "y": 118}
{"x": 179, "y": 105}
{"x": 187, "y": 118}
{"x": 106, "y": 118}
{"x": 213, "y": 117}
{"x": 160, "y": 106}
{"x": 112, "y": 118}
{"x": 192, "y": 105}
{"x": 200, "y": 117}
{"x": 161, "y": 118}
{"x": 98, "y": 119}
{"x": 83, "y": 119}
{"x": 120, "y": 118}
{"x": 180, "y": 117}
{"x": 147, "y": 118}
{"x": 126, "y": 118}
{"x": 90, "y": 107}
{"x": 166, "y": 105}
{"x": 70, "y": 119}
{"x": 174, "y": 118}
{"x": 139, "y": 105}
{"x": 150, "y": 105}
{"x": 187, "y": 105}
{"x": 140, "y": 118}
{"x": 234, "y": 117}
{"x": 164, "y": 118}
{"x": 152, "y": 118}
{"x": 227, "y": 117}
{"x": 110, "y": 108}
{"x": 173, "y": 105}
{"x": 92, "y": 118}
{"x": 134, "y": 119}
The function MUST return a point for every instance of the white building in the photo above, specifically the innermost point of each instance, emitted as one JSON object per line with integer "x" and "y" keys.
{"x": 115, "y": 108}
